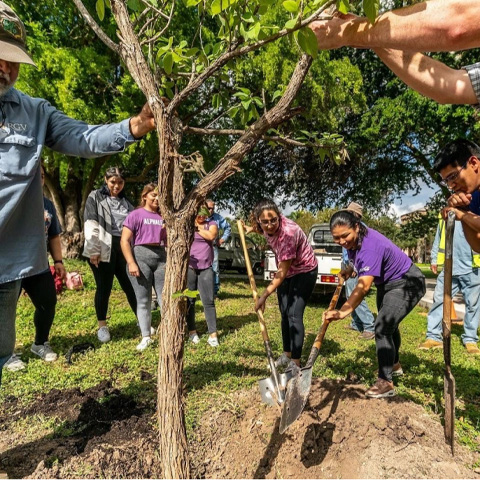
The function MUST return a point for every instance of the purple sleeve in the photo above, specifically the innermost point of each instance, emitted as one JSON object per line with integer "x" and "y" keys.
{"x": 368, "y": 263}
{"x": 131, "y": 221}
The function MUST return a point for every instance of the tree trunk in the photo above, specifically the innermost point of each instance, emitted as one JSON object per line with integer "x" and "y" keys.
{"x": 171, "y": 418}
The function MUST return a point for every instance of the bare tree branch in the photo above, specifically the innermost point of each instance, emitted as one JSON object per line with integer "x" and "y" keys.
{"x": 95, "y": 27}
{"x": 229, "y": 164}
{"x": 234, "y": 132}
{"x": 237, "y": 52}
{"x": 143, "y": 175}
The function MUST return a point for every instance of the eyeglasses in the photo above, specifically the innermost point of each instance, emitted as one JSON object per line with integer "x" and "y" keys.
{"x": 272, "y": 221}
{"x": 453, "y": 176}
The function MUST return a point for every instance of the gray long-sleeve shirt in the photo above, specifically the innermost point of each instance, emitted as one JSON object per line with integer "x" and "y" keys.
{"x": 31, "y": 124}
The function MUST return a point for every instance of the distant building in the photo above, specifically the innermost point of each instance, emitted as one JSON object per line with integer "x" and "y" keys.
{"x": 421, "y": 252}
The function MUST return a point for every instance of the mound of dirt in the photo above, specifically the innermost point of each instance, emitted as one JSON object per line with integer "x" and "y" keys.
{"x": 341, "y": 434}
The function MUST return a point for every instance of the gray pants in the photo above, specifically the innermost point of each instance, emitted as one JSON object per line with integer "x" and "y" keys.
{"x": 9, "y": 293}
{"x": 151, "y": 262}
{"x": 203, "y": 280}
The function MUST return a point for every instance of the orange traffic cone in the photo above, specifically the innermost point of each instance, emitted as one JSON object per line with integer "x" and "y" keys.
{"x": 455, "y": 319}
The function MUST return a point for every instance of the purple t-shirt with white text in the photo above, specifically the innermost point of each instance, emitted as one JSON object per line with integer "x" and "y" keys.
{"x": 380, "y": 258}
{"x": 201, "y": 251}
{"x": 147, "y": 227}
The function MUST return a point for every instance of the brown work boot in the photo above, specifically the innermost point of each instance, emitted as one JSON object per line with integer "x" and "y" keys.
{"x": 397, "y": 370}
{"x": 381, "y": 389}
{"x": 430, "y": 344}
{"x": 472, "y": 348}
{"x": 367, "y": 335}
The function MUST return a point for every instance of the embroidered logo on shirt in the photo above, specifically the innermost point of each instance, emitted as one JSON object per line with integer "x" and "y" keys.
{"x": 364, "y": 269}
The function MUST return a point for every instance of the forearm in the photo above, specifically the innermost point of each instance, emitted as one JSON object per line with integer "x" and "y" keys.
{"x": 429, "y": 76}
{"x": 431, "y": 26}
{"x": 55, "y": 246}
{"x": 471, "y": 229}
{"x": 353, "y": 301}
{"x": 127, "y": 251}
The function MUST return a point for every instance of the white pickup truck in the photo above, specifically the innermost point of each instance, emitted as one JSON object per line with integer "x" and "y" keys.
{"x": 329, "y": 257}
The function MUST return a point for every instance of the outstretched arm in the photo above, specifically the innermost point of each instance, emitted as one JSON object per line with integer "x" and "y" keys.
{"x": 430, "y": 26}
{"x": 430, "y": 77}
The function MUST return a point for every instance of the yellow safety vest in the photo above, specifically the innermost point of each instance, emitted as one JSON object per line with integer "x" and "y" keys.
{"x": 441, "y": 246}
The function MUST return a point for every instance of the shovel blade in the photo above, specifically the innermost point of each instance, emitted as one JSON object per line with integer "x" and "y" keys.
{"x": 449, "y": 395}
{"x": 268, "y": 391}
{"x": 296, "y": 398}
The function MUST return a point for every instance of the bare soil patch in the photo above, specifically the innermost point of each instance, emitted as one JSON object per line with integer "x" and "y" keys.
{"x": 341, "y": 434}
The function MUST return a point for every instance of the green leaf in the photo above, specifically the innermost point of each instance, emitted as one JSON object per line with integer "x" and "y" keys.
{"x": 219, "y": 6}
{"x": 186, "y": 293}
{"x": 308, "y": 42}
{"x": 191, "y": 293}
{"x": 168, "y": 63}
{"x": 100, "y": 7}
{"x": 343, "y": 6}
{"x": 291, "y": 24}
{"x": 370, "y": 7}
{"x": 134, "y": 5}
{"x": 193, "y": 3}
{"x": 291, "y": 6}
{"x": 253, "y": 33}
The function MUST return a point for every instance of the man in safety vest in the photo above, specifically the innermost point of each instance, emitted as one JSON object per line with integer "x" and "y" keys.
{"x": 465, "y": 278}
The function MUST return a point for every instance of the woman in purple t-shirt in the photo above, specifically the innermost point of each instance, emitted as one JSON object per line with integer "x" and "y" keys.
{"x": 295, "y": 278}
{"x": 400, "y": 286}
{"x": 200, "y": 275}
{"x": 144, "y": 229}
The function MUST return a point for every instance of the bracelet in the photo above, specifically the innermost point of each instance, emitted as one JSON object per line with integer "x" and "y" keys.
{"x": 58, "y": 261}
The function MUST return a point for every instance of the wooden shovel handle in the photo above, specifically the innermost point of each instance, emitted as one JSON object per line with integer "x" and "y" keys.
{"x": 447, "y": 287}
{"x": 333, "y": 303}
{"x": 251, "y": 278}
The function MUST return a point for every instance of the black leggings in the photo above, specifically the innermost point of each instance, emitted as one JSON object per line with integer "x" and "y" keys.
{"x": 395, "y": 300}
{"x": 104, "y": 273}
{"x": 41, "y": 290}
{"x": 293, "y": 295}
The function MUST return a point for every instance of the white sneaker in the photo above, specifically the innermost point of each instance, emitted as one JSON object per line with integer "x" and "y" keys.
{"x": 152, "y": 331}
{"x": 103, "y": 334}
{"x": 146, "y": 341}
{"x": 194, "y": 338}
{"x": 44, "y": 351}
{"x": 282, "y": 361}
{"x": 14, "y": 363}
{"x": 213, "y": 341}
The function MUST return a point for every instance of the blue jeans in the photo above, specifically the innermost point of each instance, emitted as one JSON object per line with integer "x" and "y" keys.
{"x": 362, "y": 317}
{"x": 469, "y": 286}
{"x": 216, "y": 271}
{"x": 9, "y": 293}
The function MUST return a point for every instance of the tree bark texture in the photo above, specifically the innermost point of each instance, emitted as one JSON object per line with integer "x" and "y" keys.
{"x": 179, "y": 212}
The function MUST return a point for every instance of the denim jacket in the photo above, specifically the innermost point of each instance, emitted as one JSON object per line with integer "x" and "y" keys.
{"x": 30, "y": 124}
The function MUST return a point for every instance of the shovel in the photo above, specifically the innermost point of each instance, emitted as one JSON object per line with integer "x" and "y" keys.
{"x": 299, "y": 386}
{"x": 272, "y": 389}
{"x": 448, "y": 380}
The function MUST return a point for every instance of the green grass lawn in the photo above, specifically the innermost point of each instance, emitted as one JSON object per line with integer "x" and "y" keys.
{"x": 239, "y": 362}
